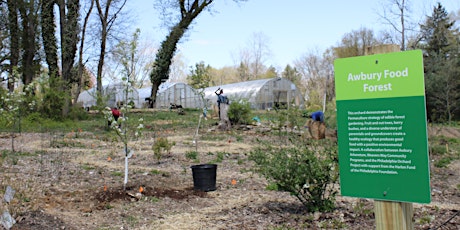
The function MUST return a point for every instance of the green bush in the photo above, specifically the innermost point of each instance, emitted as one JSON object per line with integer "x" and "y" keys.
{"x": 161, "y": 145}
{"x": 192, "y": 155}
{"x": 443, "y": 162}
{"x": 239, "y": 112}
{"x": 78, "y": 113}
{"x": 438, "y": 149}
{"x": 305, "y": 170}
{"x": 34, "y": 117}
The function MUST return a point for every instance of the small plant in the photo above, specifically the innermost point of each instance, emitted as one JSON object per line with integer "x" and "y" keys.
{"x": 160, "y": 146}
{"x": 425, "y": 218}
{"x": 360, "y": 209}
{"x": 219, "y": 158}
{"x": 272, "y": 187}
{"x": 87, "y": 167}
{"x": 443, "y": 162}
{"x": 154, "y": 199}
{"x": 192, "y": 155}
{"x": 438, "y": 149}
{"x": 306, "y": 170}
{"x": 155, "y": 172}
{"x": 117, "y": 174}
{"x": 132, "y": 220}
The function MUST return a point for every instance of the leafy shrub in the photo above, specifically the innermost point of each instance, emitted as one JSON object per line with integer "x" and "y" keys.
{"x": 192, "y": 155}
{"x": 239, "y": 112}
{"x": 34, "y": 118}
{"x": 78, "y": 113}
{"x": 438, "y": 149}
{"x": 161, "y": 145}
{"x": 443, "y": 162}
{"x": 307, "y": 170}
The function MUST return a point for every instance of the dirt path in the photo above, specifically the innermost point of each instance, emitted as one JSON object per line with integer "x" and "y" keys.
{"x": 68, "y": 182}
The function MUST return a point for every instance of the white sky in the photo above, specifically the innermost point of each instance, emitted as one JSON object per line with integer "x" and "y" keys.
{"x": 293, "y": 27}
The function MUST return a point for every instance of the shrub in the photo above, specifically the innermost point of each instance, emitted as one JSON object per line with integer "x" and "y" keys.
{"x": 240, "y": 112}
{"x": 307, "y": 171}
{"x": 161, "y": 145}
{"x": 192, "y": 155}
{"x": 78, "y": 113}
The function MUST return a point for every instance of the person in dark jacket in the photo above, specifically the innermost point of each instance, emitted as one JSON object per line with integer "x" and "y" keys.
{"x": 220, "y": 95}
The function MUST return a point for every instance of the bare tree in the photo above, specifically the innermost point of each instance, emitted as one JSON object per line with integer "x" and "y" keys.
{"x": 260, "y": 50}
{"x": 127, "y": 54}
{"x": 316, "y": 71}
{"x": 186, "y": 11}
{"x": 81, "y": 66}
{"x": 107, "y": 11}
{"x": 396, "y": 13}
{"x": 355, "y": 43}
{"x": 252, "y": 58}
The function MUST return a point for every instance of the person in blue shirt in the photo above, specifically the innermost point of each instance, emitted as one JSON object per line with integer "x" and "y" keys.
{"x": 317, "y": 116}
{"x": 316, "y": 126}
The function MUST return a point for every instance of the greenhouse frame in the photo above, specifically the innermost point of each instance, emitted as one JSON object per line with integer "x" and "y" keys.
{"x": 261, "y": 94}
{"x": 115, "y": 93}
{"x": 176, "y": 93}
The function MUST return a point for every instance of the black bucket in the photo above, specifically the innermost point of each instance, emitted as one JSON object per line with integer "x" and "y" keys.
{"x": 204, "y": 177}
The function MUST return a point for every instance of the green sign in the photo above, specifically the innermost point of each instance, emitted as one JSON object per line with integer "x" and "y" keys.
{"x": 381, "y": 122}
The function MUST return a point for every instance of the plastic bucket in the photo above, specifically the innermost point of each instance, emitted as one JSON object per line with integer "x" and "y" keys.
{"x": 204, "y": 177}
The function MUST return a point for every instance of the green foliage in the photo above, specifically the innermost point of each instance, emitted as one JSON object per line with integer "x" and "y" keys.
{"x": 52, "y": 104}
{"x": 305, "y": 170}
{"x": 438, "y": 149}
{"x": 441, "y": 64}
{"x": 443, "y": 162}
{"x": 117, "y": 174}
{"x": 200, "y": 76}
{"x": 192, "y": 155}
{"x": 360, "y": 209}
{"x": 160, "y": 146}
{"x": 220, "y": 157}
{"x": 443, "y": 150}
{"x": 272, "y": 187}
{"x": 287, "y": 120}
{"x": 34, "y": 118}
{"x": 78, "y": 113}
{"x": 239, "y": 112}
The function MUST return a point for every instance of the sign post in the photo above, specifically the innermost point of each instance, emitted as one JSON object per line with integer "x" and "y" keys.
{"x": 382, "y": 134}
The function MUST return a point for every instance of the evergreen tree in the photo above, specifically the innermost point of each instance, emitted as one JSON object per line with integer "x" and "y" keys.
{"x": 200, "y": 76}
{"x": 440, "y": 42}
{"x": 292, "y": 74}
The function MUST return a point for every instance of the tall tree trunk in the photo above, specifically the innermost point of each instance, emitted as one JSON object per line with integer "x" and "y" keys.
{"x": 49, "y": 39}
{"x": 13, "y": 26}
{"x": 29, "y": 46}
{"x": 69, "y": 40}
{"x": 189, "y": 11}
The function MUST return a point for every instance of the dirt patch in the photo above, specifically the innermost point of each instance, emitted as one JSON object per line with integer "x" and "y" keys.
{"x": 75, "y": 182}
